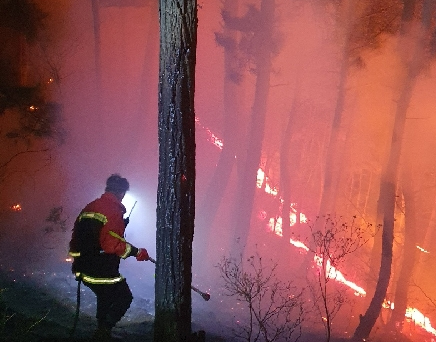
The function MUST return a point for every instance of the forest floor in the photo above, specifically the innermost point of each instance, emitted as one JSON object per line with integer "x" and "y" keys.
{"x": 34, "y": 313}
{"x": 37, "y": 311}
{"x": 38, "y": 298}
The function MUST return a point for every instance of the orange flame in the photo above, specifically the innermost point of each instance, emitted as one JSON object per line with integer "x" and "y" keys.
{"x": 275, "y": 225}
{"x": 16, "y": 207}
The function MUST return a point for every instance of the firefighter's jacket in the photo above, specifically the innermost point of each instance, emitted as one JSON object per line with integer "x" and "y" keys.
{"x": 97, "y": 242}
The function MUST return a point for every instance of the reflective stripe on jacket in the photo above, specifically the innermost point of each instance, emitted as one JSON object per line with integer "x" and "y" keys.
{"x": 99, "y": 281}
{"x": 97, "y": 216}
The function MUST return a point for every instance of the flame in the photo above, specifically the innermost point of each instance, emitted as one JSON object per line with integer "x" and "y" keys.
{"x": 275, "y": 225}
{"x": 423, "y": 250}
{"x": 387, "y": 304}
{"x": 261, "y": 178}
{"x": 333, "y": 273}
{"x": 16, "y": 207}
{"x": 299, "y": 244}
{"x": 211, "y": 136}
{"x": 420, "y": 320}
{"x": 414, "y": 315}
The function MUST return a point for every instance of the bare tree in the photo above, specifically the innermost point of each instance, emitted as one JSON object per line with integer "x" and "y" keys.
{"x": 176, "y": 181}
{"x": 275, "y": 308}
{"x": 334, "y": 240}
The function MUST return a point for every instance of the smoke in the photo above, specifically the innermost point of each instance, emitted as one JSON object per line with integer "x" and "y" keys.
{"x": 110, "y": 119}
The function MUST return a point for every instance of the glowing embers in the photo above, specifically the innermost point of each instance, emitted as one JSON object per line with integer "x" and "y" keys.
{"x": 16, "y": 207}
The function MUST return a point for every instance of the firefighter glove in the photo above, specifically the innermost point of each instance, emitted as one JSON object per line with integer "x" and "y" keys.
{"x": 126, "y": 221}
{"x": 142, "y": 255}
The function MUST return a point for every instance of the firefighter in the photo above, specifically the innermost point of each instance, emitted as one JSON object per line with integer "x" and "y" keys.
{"x": 97, "y": 246}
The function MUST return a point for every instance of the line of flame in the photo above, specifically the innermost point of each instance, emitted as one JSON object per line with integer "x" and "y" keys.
{"x": 412, "y": 313}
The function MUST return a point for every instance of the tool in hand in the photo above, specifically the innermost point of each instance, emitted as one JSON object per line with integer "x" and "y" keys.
{"x": 206, "y": 296}
{"x": 132, "y": 208}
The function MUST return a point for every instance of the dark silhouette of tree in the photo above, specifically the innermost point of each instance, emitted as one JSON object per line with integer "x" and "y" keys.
{"x": 97, "y": 46}
{"x": 409, "y": 253}
{"x": 257, "y": 26}
{"x": 176, "y": 180}
{"x": 413, "y": 61}
{"x": 206, "y": 214}
{"x": 361, "y": 25}
{"x": 359, "y": 28}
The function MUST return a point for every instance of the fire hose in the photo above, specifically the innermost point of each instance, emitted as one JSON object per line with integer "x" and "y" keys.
{"x": 205, "y": 295}
{"x": 76, "y": 315}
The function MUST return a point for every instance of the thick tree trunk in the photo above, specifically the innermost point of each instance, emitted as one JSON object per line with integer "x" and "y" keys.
{"x": 247, "y": 180}
{"x": 176, "y": 181}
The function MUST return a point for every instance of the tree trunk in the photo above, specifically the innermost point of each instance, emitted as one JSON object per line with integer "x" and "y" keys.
{"x": 409, "y": 253}
{"x": 413, "y": 59}
{"x": 97, "y": 46}
{"x": 231, "y": 133}
{"x": 335, "y": 148}
{"x": 387, "y": 201}
{"x": 285, "y": 181}
{"x": 176, "y": 181}
{"x": 287, "y": 192}
{"x": 247, "y": 178}
{"x": 336, "y": 142}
